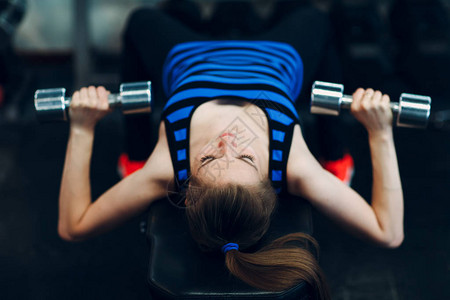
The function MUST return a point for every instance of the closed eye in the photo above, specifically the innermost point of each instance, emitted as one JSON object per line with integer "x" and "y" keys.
{"x": 204, "y": 160}
{"x": 206, "y": 157}
{"x": 248, "y": 159}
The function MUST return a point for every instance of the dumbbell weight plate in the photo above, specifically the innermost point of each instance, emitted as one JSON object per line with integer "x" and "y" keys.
{"x": 326, "y": 98}
{"x": 413, "y": 111}
{"x": 135, "y": 97}
{"x": 50, "y": 104}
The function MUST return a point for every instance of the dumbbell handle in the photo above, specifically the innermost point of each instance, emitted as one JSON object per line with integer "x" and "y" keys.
{"x": 114, "y": 100}
{"x": 347, "y": 100}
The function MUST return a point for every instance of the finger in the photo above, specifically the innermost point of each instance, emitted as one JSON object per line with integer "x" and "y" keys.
{"x": 357, "y": 96}
{"x": 93, "y": 97}
{"x": 376, "y": 98}
{"x": 84, "y": 98}
{"x": 386, "y": 101}
{"x": 366, "y": 101}
{"x": 368, "y": 94}
{"x": 103, "y": 97}
{"x": 75, "y": 101}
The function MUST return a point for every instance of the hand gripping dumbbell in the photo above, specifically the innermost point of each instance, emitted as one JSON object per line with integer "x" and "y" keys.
{"x": 52, "y": 105}
{"x": 328, "y": 98}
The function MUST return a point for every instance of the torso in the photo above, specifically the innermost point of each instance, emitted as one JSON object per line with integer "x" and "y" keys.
{"x": 210, "y": 119}
{"x": 260, "y": 79}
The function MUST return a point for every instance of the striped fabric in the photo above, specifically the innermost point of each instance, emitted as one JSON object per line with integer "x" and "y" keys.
{"x": 268, "y": 74}
{"x": 240, "y": 69}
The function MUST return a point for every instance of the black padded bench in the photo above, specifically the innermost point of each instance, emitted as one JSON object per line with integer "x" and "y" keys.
{"x": 179, "y": 270}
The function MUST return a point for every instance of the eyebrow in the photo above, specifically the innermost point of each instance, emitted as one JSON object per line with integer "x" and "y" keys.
{"x": 241, "y": 158}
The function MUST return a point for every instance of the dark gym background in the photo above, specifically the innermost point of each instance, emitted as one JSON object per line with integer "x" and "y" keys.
{"x": 393, "y": 45}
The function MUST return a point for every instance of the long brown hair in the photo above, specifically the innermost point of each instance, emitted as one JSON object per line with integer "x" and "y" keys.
{"x": 220, "y": 214}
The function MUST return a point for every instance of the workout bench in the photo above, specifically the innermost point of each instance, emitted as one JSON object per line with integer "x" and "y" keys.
{"x": 179, "y": 270}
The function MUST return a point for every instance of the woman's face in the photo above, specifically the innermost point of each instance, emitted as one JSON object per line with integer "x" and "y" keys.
{"x": 225, "y": 160}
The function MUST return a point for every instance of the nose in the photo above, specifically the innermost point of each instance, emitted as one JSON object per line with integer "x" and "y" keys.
{"x": 226, "y": 146}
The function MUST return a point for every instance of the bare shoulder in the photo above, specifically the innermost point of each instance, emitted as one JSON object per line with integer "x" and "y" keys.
{"x": 159, "y": 164}
{"x": 301, "y": 163}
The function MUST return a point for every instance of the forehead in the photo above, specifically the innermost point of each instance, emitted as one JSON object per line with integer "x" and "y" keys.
{"x": 236, "y": 171}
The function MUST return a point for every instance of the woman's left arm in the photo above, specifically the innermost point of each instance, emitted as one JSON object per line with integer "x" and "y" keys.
{"x": 380, "y": 222}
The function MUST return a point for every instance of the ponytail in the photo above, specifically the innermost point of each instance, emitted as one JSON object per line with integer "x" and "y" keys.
{"x": 280, "y": 265}
{"x": 232, "y": 213}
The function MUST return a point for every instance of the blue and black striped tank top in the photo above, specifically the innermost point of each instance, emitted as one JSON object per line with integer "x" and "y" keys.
{"x": 267, "y": 74}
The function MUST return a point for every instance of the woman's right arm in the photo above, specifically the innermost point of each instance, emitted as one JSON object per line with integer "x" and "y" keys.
{"x": 379, "y": 221}
{"x": 79, "y": 217}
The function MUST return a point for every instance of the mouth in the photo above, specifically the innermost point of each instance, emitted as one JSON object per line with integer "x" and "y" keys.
{"x": 227, "y": 134}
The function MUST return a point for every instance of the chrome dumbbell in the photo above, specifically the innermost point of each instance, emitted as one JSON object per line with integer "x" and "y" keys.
{"x": 52, "y": 105}
{"x": 328, "y": 99}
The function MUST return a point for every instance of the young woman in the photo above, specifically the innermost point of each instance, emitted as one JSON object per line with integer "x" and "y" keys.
{"x": 230, "y": 140}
